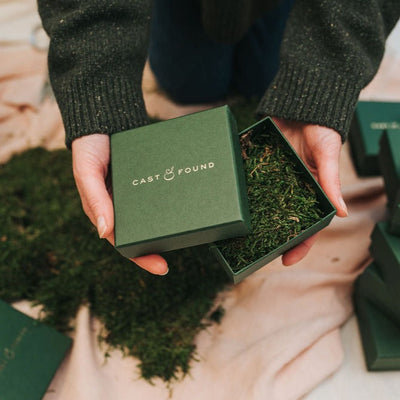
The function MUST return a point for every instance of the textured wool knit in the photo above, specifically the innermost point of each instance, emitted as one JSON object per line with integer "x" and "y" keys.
{"x": 330, "y": 51}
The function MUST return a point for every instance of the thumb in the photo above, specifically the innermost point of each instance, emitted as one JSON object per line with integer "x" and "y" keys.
{"x": 328, "y": 177}
{"x": 97, "y": 203}
{"x": 90, "y": 158}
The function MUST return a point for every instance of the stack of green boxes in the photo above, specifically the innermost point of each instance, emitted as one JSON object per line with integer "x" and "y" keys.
{"x": 389, "y": 160}
{"x": 371, "y": 118}
{"x": 377, "y": 291}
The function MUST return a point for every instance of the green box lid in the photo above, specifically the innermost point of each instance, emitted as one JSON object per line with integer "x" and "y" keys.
{"x": 267, "y": 127}
{"x": 370, "y": 120}
{"x": 30, "y": 353}
{"x": 385, "y": 249}
{"x": 178, "y": 183}
{"x": 389, "y": 162}
{"x": 371, "y": 285}
{"x": 380, "y": 336}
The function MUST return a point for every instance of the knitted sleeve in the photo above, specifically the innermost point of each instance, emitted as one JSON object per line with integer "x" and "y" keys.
{"x": 330, "y": 51}
{"x": 96, "y": 57}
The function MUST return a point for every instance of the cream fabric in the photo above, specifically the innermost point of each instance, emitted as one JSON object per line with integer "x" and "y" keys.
{"x": 27, "y": 117}
{"x": 18, "y": 18}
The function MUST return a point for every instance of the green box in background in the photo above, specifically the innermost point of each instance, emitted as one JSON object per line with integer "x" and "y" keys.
{"x": 178, "y": 183}
{"x": 385, "y": 249}
{"x": 394, "y": 219}
{"x": 328, "y": 211}
{"x": 369, "y": 122}
{"x": 380, "y": 336}
{"x": 389, "y": 162}
{"x": 30, "y": 353}
{"x": 371, "y": 285}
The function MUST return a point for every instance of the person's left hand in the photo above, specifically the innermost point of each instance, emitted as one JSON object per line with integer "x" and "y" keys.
{"x": 319, "y": 148}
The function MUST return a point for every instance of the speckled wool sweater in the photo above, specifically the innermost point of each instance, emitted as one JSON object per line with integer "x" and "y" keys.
{"x": 330, "y": 51}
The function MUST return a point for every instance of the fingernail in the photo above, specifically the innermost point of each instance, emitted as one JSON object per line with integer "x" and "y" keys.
{"x": 101, "y": 226}
{"x": 165, "y": 273}
{"x": 343, "y": 205}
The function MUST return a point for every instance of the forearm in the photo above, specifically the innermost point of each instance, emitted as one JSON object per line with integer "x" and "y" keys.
{"x": 96, "y": 57}
{"x": 330, "y": 51}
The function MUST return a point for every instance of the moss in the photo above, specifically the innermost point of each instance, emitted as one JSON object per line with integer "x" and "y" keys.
{"x": 281, "y": 203}
{"x": 51, "y": 255}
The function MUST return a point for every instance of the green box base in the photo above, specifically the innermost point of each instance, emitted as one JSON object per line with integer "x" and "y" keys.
{"x": 389, "y": 162}
{"x": 385, "y": 249}
{"x": 380, "y": 336}
{"x": 369, "y": 122}
{"x": 372, "y": 286}
{"x": 364, "y": 164}
{"x": 328, "y": 212}
{"x": 394, "y": 221}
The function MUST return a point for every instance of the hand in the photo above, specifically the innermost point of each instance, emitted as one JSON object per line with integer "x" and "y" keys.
{"x": 319, "y": 148}
{"x": 90, "y": 160}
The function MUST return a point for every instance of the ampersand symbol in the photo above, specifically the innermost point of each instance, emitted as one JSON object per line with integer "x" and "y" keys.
{"x": 169, "y": 174}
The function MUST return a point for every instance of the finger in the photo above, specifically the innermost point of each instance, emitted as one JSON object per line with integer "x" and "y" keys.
{"x": 153, "y": 263}
{"x": 299, "y": 252}
{"x": 97, "y": 202}
{"x": 328, "y": 177}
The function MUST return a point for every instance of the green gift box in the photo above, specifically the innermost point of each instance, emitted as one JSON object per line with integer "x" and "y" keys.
{"x": 30, "y": 353}
{"x": 385, "y": 249}
{"x": 178, "y": 183}
{"x": 379, "y": 335}
{"x": 394, "y": 221}
{"x": 389, "y": 162}
{"x": 372, "y": 285}
{"x": 242, "y": 256}
{"x": 369, "y": 122}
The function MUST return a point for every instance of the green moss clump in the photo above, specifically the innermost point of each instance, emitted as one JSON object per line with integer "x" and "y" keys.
{"x": 281, "y": 203}
{"x": 51, "y": 255}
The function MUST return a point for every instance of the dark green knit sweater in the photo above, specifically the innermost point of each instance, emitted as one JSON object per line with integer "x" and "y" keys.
{"x": 330, "y": 51}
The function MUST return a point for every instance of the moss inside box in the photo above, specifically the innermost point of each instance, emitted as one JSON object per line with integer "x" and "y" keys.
{"x": 282, "y": 204}
{"x": 51, "y": 255}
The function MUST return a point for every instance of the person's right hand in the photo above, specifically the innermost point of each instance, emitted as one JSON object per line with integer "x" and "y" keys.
{"x": 90, "y": 162}
{"x": 319, "y": 147}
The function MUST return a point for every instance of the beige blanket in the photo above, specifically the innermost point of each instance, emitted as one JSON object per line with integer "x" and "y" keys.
{"x": 280, "y": 336}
